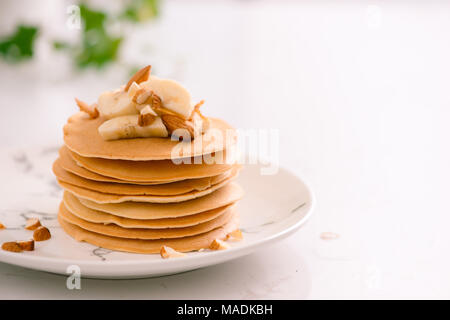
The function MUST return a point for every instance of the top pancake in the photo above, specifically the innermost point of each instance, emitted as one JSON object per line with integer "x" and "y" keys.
{"x": 82, "y": 137}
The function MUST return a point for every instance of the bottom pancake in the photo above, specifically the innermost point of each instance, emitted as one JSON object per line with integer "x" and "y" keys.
{"x": 185, "y": 244}
{"x": 145, "y": 234}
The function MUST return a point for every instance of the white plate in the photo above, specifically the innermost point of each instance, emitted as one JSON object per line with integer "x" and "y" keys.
{"x": 274, "y": 207}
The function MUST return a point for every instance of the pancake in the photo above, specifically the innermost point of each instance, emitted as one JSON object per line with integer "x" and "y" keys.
{"x": 70, "y": 165}
{"x": 100, "y": 197}
{"x": 75, "y": 207}
{"x": 168, "y": 189}
{"x": 81, "y": 136}
{"x": 230, "y": 193}
{"x": 145, "y": 234}
{"x": 161, "y": 170}
{"x": 185, "y": 244}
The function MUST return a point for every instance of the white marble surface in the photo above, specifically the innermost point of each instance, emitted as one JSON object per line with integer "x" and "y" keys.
{"x": 359, "y": 93}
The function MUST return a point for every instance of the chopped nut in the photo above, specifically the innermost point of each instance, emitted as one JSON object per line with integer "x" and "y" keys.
{"x": 11, "y": 246}
{"x": 32, "y": 224}
{"x": 2, "y": 226}
{"x": 198, "y": 105}
{"x": 140, "y": 76}
{"x": 168, "y": 252}
{"x": 173, "y": 123}
{"x": 41, "y": 234}
{"x": 134, "y": 88}
{"x": 329, "y": 236}
{"x": 219, "y": 245}
{"x": 143, "y": 96}
{"x": 161, "y": 111}
{"x": 235, "y": 235}
{"x": 148, "y": 110}
{"x": 146, "y": 117}
{"x": 92, "y": 110}
{"x": 156, "y": 101}
{"x": 197, "y": 110}
{"x": 27, "y": 245}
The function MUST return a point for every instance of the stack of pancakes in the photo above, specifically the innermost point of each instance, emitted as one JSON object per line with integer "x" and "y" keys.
{"x": 129, "y": 194}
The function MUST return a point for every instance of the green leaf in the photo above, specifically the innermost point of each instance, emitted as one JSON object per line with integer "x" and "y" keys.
{"x": 60, "y": 45}
{"x": 92, "y": 19}
{"x": 19, "y": 46}
{"x": 141, "y": 10}
{"x": 97, "y": 46}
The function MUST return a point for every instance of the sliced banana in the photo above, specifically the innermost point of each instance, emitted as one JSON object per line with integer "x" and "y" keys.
{"x": 173, "y": 95}
{"x": 127, "y": 127}
{"x": 117, "y": 103}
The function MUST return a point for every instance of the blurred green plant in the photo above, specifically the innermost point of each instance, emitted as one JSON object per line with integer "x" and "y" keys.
{"x": 96, "y": 46}
{"x": 141, "y": 10}
{"x": 19, "y": 46}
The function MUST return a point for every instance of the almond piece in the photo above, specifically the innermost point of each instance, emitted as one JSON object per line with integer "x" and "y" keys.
{"x": 133, "y": 89}
{"x": 142, "y": 96}
{"x": 26, "y": 245}
{"x": 146, "y": 117}
{"x": 2, "y": 226}
{"x": 329, "y": 236}
{"x": 219, "y": 245}
{"x": 168, "y": 252}
{"x": 156, "y": 101}
{"x": 140, "y": 76}
{"x": 32, "y": 224}
{"x": 173, "y": 122}
{"x": 161, "y": 111}
{"x": 92, "y": 110}
{"x": 41, "y": 234}
{"x": 11, "y": 246}
{"x": 197, "y": 110}
{"x": 235, "y": 235}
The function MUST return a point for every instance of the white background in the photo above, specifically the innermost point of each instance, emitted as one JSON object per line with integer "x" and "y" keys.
{"x": 360, "y": 93}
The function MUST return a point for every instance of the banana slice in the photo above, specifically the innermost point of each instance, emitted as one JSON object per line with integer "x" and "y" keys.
{"x": 127, "y": 127}
{"x": 117, "y": 103}
{"x": 173, "y": 95}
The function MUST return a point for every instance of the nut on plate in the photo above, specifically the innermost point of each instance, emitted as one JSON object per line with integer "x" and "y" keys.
{"x": 26, "y": 245}
{"x": 218, "y": 244}
{"x": 11, "y": 246}
{"x": 32, "y": 224}
{"x": 168, "y": 252}
{"x": 235, "y": 235}
{"x": 41, "y": 234}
